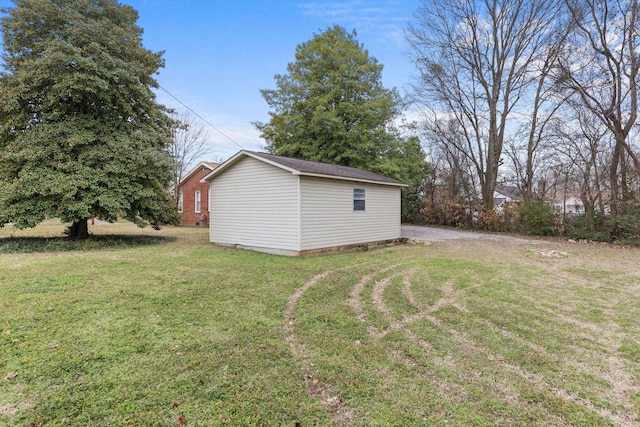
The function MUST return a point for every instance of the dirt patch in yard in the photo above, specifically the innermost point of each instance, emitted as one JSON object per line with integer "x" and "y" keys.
{"x": 11, "y": 410}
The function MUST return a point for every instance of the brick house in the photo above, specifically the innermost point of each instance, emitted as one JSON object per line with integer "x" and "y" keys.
{"x": 193, "y": 196}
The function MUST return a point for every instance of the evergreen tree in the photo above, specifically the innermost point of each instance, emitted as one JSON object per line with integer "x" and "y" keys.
{"x": 81, "y": 134}
{"x": 331, "y": 106}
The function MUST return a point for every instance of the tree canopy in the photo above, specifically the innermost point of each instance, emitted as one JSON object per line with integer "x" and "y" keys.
{"x": 599, "y": 69}
{"x": 81, "y": 134}
{"x": 541, "y": 95}
{"x": 476, "y": 61}
{"x": 331, "y": 105}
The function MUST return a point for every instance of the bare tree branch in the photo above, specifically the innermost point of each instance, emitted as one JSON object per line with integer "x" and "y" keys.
{"x": 476, "y": 60}
{"x": 600, "y": 69}
{"x": 188, "y": 147}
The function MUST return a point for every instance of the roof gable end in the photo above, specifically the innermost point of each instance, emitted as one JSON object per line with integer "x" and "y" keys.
{"x": 209, "y": 165}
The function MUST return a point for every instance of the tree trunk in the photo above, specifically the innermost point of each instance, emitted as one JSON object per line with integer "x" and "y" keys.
{"x": 491, "y": 176}
{"x": 613, "y": 179}
{"x": 79, "y": 230}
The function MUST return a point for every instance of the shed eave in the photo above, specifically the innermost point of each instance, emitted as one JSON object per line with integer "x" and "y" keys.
{"x": 346, "y": 178}
{"x": 234, "y": 159}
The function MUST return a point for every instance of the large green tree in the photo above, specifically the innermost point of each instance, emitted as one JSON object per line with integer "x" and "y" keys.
{"x": 331, "y": 105}
{"x": 81, "y": 133}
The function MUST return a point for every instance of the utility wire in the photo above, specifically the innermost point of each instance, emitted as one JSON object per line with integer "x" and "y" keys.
{"x": 199, "y": 116}
{"x": 174, "y": 97}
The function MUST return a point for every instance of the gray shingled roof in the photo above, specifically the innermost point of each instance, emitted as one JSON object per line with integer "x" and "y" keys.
{"x": 309, "y": 167}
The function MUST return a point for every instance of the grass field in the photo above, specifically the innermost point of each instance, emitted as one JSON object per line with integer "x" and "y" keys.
{"x": 138, "y": 327}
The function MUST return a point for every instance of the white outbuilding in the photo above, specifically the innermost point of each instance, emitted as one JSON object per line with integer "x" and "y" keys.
{"x": 289, "y": 206}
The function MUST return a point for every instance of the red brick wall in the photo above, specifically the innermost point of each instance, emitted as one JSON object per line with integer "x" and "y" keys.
{"x": 188, "y": 188}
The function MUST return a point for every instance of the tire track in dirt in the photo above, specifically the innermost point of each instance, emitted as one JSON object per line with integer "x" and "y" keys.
{"x": 445, "y": 387}
{"x": 622, "y": 382}
{"x": 324, "y": 392}
{"x": 622, "y": 385}
{"x": 562, "y": 306}
{"x": 609, "y": 336}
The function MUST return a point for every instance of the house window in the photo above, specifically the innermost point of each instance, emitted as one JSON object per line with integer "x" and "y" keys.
{"x": 358, "y": 199}
{"x": 197, "y": 199}
{"x": 180, "y": 202}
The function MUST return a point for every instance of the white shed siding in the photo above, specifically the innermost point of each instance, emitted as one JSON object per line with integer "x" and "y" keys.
{"x": 328, "y": 218}
{"x": 256, "y": 205}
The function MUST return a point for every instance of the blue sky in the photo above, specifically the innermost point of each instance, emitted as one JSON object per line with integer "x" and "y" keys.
{"x": 220, "y": 53}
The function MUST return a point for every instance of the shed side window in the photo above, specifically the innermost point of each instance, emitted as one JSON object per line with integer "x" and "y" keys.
{"x": 358, "y": 199}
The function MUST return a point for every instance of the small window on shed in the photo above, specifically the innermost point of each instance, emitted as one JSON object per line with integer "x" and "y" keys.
{"x": 358, "y": 199}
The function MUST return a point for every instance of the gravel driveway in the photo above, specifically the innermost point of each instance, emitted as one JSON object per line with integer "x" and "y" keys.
{"x": 436, "y": 234}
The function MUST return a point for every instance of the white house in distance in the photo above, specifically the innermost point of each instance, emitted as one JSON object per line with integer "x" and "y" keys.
{"x": 569, "y": 205}
{"x": 293, "y": 207}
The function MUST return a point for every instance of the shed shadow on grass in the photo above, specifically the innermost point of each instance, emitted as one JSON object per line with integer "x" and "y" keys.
{"x": 14, "y": 244}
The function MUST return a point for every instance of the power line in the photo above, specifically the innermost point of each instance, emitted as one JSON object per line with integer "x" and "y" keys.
{"x": 174, "y": 97}
{"x": 171, "y": 95}
{"x": 199, "y": 116}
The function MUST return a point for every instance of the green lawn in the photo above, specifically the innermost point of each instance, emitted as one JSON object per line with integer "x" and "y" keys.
{"x": 138, "y": 327}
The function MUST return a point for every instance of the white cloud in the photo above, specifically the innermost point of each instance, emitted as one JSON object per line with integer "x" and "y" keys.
{"x": 386, "y": 17}
{"x": 339, "y": 9}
